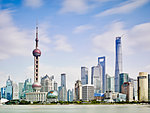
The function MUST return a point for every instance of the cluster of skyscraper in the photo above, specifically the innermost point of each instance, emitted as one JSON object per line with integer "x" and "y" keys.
{"x": 101, "y": 87}
{"x": 111, "y": 88}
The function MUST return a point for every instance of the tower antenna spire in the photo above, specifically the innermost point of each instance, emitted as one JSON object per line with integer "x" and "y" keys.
{"x": 36, "y": 34}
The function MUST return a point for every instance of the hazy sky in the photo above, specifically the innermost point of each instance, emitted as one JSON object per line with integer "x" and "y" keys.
{"x": 72, "y": 33}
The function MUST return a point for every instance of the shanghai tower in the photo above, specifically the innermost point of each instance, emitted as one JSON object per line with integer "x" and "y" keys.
{"x": 118, "y": 63}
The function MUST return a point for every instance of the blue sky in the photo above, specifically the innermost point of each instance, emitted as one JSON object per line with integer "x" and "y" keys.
{"x": 72, "y": 33}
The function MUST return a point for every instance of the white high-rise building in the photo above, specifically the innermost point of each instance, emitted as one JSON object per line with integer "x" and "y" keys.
{"x": 15, "y": 91}
{"x": 84, "y": 75}
{"x": 47, "y": 83}
{"x": 62, "y": 90}
{"x": 109, "y": 83}
{"x": 96, "y": 79}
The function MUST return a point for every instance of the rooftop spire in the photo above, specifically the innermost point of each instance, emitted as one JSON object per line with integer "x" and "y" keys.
{"x": 8, "y": 77}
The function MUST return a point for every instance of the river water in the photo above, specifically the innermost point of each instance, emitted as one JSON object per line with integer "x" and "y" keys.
{"x": 74, "y": 108}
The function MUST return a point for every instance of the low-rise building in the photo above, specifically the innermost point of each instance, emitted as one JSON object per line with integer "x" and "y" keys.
{"x": 36, "y": 96}
{"x": 87, "y": 92}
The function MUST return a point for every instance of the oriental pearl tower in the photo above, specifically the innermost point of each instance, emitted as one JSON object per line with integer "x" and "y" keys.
{"x": 36, "y": 53}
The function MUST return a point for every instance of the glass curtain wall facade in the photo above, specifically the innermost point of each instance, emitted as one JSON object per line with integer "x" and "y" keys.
{"x": 96, "y": 78}
{"x": 63, "y": 85}
{"x": 9, "y": 89}
{"x": 118, "y": 63}
{"x": 84, "y": 75}
{"x": 148, "y": 87}
{"x": 123, "y": 77}
{"x": 101, "y": 62}
{"x": 109, "y": 83}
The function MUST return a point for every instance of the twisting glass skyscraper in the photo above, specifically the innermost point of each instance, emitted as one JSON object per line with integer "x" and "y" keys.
{"x": 118, "y": 64}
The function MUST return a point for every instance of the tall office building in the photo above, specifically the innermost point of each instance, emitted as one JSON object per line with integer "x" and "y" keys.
{"x": 101, "y": 62}
{"x": 62, "y": 96}
{"x": 123, "y": 77}
{"x": 127, "y": 89}
{"x": 78, "y": 90}
{"x": 63, "y": 80}
{"x": 96, "y": 79}
{"x": 3, "y": 92}
{"x": 55, "y": 86}
{"x": 15, "y": 91}
{"x": 143, "y": 86}
{"x": 21, "y": 86}
{"x": 84, "y": 75}
{"x": 36, "y": 53}
{"x": 9, "y": 89}
{"x": 28, "y": 86}
{"x": 118, "y": 63}
{"x": 47, "y": 83}
{"x": 69, "y": 95}
{"x": 62, "y": 90}
{"x": 87, "y": 92}
{"x": 60, "y": 93}
{"x": 134, "y": 85}
{"x": 109, "y": 83}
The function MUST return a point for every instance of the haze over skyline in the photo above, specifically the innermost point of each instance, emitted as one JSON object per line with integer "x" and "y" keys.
{"x": 72, "y": 33}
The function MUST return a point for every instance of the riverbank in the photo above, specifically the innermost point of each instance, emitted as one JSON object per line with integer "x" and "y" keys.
{"x": 23, "y": 102}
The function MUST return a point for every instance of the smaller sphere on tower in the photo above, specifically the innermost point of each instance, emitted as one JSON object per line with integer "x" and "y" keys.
{"x": 36, "y": 86}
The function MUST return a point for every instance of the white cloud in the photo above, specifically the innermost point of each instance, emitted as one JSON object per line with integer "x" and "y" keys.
{"x": 3, "y": 78}
{"x": 33, "y": 3}
{"x": 105, "y": 41}
{"x": 139, "y": 35}
{"x": 14, "y": 41}
{"x": 80, "y": 6}
{"x": 135, "y": 39}
{"x": 61, "y": 43}
{"x": 82, "y": 28}
{"x": 125, "y": 7}
{"x": 43, "y": 33}
{"x": 76, "y": 6}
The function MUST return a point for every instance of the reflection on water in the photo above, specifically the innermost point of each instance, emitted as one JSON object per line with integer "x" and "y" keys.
{"x": 75, "y": 109}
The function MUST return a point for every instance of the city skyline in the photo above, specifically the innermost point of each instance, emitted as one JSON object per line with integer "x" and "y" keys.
{"x": 68, "y": 40}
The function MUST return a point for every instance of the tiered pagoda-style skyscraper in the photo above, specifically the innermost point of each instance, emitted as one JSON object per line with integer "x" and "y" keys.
{"x": 36, "y": 53}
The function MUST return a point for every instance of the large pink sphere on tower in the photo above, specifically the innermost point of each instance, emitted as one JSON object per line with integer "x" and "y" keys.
{"x": 36, "y": 52}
